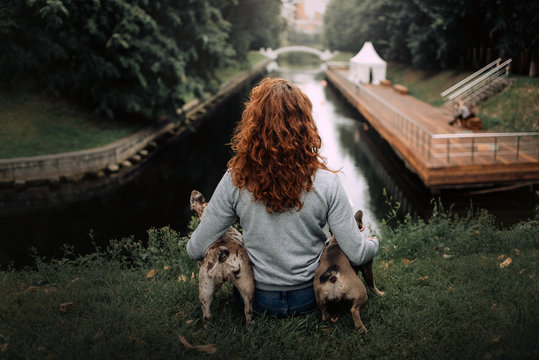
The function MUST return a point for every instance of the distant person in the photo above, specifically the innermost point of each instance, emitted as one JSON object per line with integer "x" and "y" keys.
{"x": 279, "y": 186}
{"x": 463, "y": 113}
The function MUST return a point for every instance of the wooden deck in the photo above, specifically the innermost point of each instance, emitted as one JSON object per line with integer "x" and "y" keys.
{"x": 443, "y": 156}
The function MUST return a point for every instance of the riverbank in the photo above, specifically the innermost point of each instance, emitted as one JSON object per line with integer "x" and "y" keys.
{"x": 455, "y": 287}
{"x": 128, "y": 152}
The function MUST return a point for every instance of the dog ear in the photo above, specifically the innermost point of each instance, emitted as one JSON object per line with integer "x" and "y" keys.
{"x": 196, "y": 198}
{"x": 359, "y": 218}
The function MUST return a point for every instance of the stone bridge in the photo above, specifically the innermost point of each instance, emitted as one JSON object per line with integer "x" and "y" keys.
{"x": 273, "y": 54}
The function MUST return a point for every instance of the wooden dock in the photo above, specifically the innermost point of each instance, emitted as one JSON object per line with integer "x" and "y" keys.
{"x": 443, "y": 156}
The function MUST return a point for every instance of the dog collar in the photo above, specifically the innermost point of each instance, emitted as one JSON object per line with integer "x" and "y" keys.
{"x": 363, "y": 228}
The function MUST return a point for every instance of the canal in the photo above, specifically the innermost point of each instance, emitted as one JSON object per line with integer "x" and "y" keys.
{"x": 159, "y": 195}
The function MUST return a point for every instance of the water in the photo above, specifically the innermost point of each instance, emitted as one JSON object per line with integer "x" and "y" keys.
{"x": 159, "y": 194}
{"x": 369, "y": 166}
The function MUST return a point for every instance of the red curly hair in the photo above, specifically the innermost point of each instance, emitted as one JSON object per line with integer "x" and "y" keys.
{"x": 276, "y": 145}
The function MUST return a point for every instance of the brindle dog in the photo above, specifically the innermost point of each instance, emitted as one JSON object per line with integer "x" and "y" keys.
{"x": 225, "y": 260}
{"x": 336, "y": 279}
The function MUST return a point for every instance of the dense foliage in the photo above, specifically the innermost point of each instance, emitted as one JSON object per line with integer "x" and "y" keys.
{"x": 255, "y": 24}
{"x": 119, "y": 56}
{"x": 431, "y": 34}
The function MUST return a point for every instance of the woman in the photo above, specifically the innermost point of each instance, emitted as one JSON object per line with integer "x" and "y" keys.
{"x": 284, "y": 195}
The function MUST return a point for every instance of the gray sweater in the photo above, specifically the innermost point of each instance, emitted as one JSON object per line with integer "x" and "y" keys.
{"x": 285, "y": 248}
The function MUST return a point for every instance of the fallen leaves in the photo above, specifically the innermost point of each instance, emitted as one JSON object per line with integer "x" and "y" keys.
{"x": 208, "y": 349}
{"x": 65, "y": 306}
{"x": 183, "y": 278}
{"x": 506, "y": 263}
{"x": 334, "y": 320}
{"x": 422, "y": 278}
{"x": 151, "y": 273}
{"x": 448, "y": 256}
{"x": 408, "y": 262}
{"x": 46, "y": 289}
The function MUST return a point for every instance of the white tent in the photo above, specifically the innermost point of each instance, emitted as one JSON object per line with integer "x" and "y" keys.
{"x": 364, "y": 62}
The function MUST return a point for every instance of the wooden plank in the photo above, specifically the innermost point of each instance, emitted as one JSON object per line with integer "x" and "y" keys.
{"x": 462, "y": 169}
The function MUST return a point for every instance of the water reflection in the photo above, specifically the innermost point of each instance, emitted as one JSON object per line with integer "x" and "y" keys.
{"x": 334, "y": 120}
{"x": 369, "y": 164}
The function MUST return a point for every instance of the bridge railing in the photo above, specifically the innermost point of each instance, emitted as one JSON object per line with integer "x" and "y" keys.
{"x": 449, "y": 149}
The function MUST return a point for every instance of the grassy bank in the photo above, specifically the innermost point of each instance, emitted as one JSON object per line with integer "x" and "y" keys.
{"x": 446, "y": 297}
{"x": 37, "y": 124}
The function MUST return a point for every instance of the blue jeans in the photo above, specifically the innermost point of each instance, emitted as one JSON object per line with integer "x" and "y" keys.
{"x": 281, "y": 303}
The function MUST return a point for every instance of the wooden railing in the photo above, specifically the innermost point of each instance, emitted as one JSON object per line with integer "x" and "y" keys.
{"x": 450, "y": 149}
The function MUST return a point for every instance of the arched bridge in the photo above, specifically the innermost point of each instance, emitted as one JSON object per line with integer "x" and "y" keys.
{"x": 273, "y": 54}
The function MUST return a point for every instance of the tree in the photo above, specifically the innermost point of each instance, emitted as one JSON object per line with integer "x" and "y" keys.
{"x": 436, "y": 33}
{"x": 254, "y": 23}
{"x": 117, "y": 56}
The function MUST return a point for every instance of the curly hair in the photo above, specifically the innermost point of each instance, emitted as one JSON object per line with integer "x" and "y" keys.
{"x": 276, "y": 145}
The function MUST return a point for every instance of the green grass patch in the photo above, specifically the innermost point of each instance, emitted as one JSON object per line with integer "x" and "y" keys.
{"x": 516, "y": 108}
{"x": 446, "y": 297}
{"x": 424, "y": 85}
{"x": 342, "y": 56}
{"x": 227, "y": 73}
{"x": 36, "y": 124}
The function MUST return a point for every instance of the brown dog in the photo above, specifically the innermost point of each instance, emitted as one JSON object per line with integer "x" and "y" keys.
{"x": 225, "y": 260}
{"x": 336, "y": 279}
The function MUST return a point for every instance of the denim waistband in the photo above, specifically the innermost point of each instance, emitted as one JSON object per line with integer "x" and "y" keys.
{"x": 271, "y": 287}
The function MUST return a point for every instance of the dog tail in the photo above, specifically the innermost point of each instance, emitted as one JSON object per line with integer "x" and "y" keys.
{"x": 330, "y": 274}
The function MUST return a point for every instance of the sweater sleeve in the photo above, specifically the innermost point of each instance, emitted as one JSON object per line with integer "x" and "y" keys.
{"x": 341, "y": 221}
{"x": 218, "y": 216}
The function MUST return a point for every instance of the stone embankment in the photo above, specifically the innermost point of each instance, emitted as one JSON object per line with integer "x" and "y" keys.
{"x": 53, "y": 170}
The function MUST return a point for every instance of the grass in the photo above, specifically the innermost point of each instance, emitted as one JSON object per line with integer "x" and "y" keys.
{"x": 225, "y": 74}
{"x": 342, "y": 56}
{"x": 514, "y": 109}
{"x": 133, "y": 300}
{"x": 36, "y": 124}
